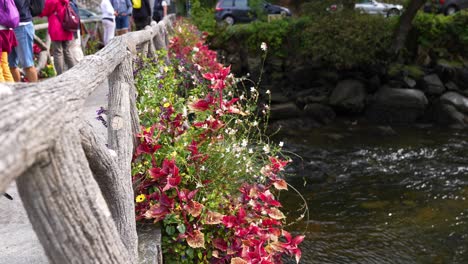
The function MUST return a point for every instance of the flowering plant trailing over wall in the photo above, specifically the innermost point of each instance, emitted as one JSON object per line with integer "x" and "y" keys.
{"x": 203, "y": 168}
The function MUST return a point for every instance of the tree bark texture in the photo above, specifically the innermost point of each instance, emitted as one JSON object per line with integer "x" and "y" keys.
{"x": 120, "y": 139}
{"x": 405, "y": 24}
{"x": 114, "y": 186}
{"x": 66, "y": 208}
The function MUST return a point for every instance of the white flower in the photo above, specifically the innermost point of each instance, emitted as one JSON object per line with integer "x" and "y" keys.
{"x": 252, "y": 89}
{"x": 196, "y": 49}
{"x": 244, "y": 143}
{"x": 255, "y": 123}
{"x": 241, "y": 97}
{"x": 267, "y": 92}
{"x": 250, "y": 150}
{"x": 281, "y": 143}
{"x": 266, "y": 149}
{"x": 181, "y": 68}
{"x": 263, "y": 46}
{"x": 164, "y": 99}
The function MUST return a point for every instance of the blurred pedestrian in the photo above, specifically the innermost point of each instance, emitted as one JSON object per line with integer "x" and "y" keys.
{"x": 142, "y": 15}
{"x": 62, "y": 39}
{"x": 7, "y": 43}
{"x": 108, "y": 20}
{"x": 122, "y": 11}
{"x": 22, "y": 55}
{"x": 159, "y": 10}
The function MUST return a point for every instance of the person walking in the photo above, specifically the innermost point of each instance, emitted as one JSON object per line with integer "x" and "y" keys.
{"x": 108, "y": 20}
{"x": 142, "y": 15}
{"x": 62, "y": 40}
{"x": 159, "y": 10}
{"x": 122, "y": 11}
{"x": 22, "y": 55}
{"x": 7, "y": 43}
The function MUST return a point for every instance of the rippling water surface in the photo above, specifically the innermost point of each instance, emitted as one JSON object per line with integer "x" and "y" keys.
{"x": 379, "y": 198}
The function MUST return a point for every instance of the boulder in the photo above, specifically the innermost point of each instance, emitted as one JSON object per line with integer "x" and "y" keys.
{"x": 284, "y": 111}
{"x": 319, "y": 112}
{"x": 460, "y": 102}
{"x": 349, "y": 95}
{"x": 321, "y": 99}
{"x": 447, "y": 114}
{"x": 396, "y": 106}
{"x": 451, "y": 86}
{"x": 433, "y": 85}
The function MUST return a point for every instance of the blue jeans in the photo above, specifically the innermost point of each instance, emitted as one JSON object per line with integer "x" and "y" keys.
{"x": 22, "y": 54}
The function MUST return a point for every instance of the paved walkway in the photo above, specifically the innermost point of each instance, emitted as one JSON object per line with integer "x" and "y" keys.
{"x": 18, "y": 242}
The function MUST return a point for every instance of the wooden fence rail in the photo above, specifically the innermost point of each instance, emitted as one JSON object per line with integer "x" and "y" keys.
{"x": 76, "y": 190}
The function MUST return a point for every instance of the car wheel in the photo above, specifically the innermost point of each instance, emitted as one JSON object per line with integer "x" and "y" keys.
{"x": 283, "y": 13}
{"x": 229, "y": 20}
{"x": 451, "y": 10}
{"x": 393, "y": 12}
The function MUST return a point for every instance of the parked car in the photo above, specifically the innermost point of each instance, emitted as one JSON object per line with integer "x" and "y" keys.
{"x": 374, "y": 7}
{"x": 447, "y": 7}
{"x": 239, "y": 11}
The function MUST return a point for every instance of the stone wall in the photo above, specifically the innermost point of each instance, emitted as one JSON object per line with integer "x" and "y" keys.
{"x": 305, "y": 93}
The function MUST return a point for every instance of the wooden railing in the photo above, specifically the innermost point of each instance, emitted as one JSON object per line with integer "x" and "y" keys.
{"x": 76, "y": 190}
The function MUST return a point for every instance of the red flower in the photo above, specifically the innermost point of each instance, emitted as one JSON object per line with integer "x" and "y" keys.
{"x": 292, "y": 243}
{"x": 203, "y": 104}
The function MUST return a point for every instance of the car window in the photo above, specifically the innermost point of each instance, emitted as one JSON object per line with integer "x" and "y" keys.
{"x": 241, "y": 3}
{"x": 227, "y": 3}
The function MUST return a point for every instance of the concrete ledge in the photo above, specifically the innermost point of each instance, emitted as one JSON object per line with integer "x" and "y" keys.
{"x": 149, "y": 244}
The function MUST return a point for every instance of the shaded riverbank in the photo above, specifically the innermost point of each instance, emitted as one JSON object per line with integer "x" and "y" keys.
{"x": 398, "y": 197}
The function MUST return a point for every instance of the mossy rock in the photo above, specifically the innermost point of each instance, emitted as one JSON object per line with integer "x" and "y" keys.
{"x": 413, "y": 71}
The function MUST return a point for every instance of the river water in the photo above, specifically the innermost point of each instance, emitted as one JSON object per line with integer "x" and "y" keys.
{"x": 376, "y": 196}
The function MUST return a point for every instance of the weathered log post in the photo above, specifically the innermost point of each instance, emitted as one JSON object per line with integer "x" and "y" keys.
{"x": 120, "y": 138}
{"x": 66, "y": 208}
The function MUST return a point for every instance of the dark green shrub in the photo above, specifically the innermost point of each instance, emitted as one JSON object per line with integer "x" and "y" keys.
{"x": 446, "y": 36}
{"x": 348, "y": 39}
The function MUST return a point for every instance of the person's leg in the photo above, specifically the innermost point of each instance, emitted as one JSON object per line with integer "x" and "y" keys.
{"x": 58, "y": 56}
{"x": 31, "y": 73}
{"x": 109, "y": 30}
{"x": 13, "y": 63}
{"x": 5, "y": 70}
{"x": 25, "y": 53}
{"x": 69, "y": 57}
{"x": 2, "y": 79}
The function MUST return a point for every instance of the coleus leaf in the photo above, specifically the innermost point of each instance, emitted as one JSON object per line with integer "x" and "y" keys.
{"x": 194, "y": 208}
{"x": 196, "y": 239}
{"x": 238, "y": 260}
{"x": 280, "y": 184}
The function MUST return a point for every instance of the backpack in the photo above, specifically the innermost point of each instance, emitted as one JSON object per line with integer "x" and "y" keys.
{"x": 36, "y": 7}
{"x": 136, "y": 4}
{"x": 70, "y": 21}
{"x": 9, "y": 16}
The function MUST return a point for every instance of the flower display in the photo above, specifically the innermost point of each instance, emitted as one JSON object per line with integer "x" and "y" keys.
{"x": 201, "y": 152}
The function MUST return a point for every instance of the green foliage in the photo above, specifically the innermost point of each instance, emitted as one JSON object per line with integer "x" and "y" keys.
{"x": 446, "y": 36}
{"x": 348, "y": 39}
{"x": 274, "y": 34}
{"x": 203, "y": 17}
{"x": 413, "y": 71}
